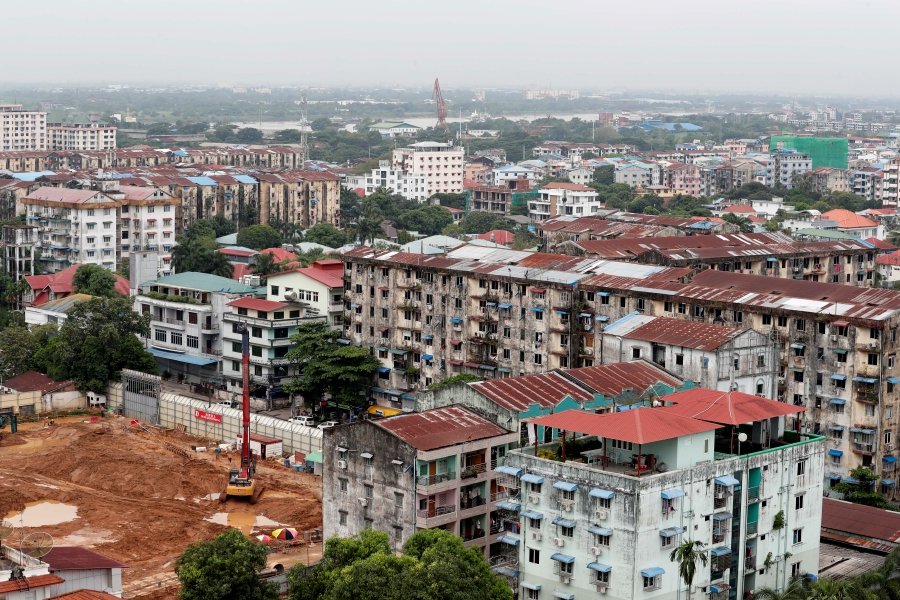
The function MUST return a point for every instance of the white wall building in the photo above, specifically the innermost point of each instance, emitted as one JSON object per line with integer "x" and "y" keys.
{"x": 81, "y": 136}
{"x": 503, "y": 176}
{"x": 397, "y": 181}
{"x": 441, "y": 164}
{"x": 319, "y": 287}
{"x": 75, "y": 226}
{"x": 636, "y": 175}
{"x": 654, "y": 477}
{"x": 558, "y": 199}
{"x": 784, "y": 166}
{"x": 712, "y": 356}
{"x": 147, "y": 216}
{"x": 22, "y": 129}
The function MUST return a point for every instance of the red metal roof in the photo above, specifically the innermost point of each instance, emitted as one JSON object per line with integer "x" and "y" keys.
{"x": 60, "y": 283}
{"x": 686, "y": 334}
{"x": 257, "y": 304}
{"x": 563, "y": 185}
{"x": 264, "y": 439}
{"x": 67, "y": 558}
{"x": 729, "y": 408}
{"x": 518, "y": 393}
{"x": 614, "y": 379}
{"x": 860, "y": 520}
{"x": 881, "y": 244}
{"x": 279, "y": 254}
{"x": 85, "y": 595}
{"x": 237, "y": 252}
{"x": 31, "y": 381}
{"x": 29, "y": 583}
{"x": 848, "y": 219}
{"x": 638, "y": 426}
{"x": 440, "y": 427}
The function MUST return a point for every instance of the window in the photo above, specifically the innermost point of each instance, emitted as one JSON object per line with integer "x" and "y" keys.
{"x": 192, "y": 318}
{"x": 798, "y": 501}
{"x": 795, "y": 567}
{"x": 532, "y": 594}
{"x": 342, "y": 517}
{"x": 193, "y": 341}
{"x": 534, "y": 556}
{"x": 369, "y": 491}
{"x": 274, "y": 290}
{"x": 873, "y": 358}
{"x": 567, "y": 531}
{"x": 398, "y": 500}
{"x": 176, "y": 338}
{"x": 635, "y": 353}
{"x": 668, "y": 541}
{"x": 798, "y": 536}
{"x": 801, "y": 468}
{"x": 767, "y": 319}
{"x": 342, "y": 486}
{"x": 161, "y": 335}
{"x": 651, "y": 583}
{"x": 679, "y": 359}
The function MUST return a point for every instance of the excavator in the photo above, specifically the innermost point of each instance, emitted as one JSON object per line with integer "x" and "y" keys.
{"x": 241, "y": 481}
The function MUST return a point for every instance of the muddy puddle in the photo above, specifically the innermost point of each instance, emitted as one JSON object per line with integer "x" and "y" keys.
{"x": 245, "y": 521}
{"x": 42, "y": 514}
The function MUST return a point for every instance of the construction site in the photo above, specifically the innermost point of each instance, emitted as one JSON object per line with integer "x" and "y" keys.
{"x": 141, "y": 494}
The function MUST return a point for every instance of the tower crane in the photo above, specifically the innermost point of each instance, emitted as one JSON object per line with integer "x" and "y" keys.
{"x": 438, "y": 98}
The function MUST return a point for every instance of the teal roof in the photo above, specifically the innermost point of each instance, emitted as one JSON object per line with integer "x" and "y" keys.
{"x": 825, "y": 233}
{"x": 391, "y": 125}
{"x": 203, "y": 282}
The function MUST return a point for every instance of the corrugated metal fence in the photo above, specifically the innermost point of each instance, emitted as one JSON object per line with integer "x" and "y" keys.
{"x": 183, "y": 412}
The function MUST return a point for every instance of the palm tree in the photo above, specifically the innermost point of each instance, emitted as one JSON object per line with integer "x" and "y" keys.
{"x": 266, "y": 265}
{"x": 218, "y": 265}
{"x": 688, "y": 554}
{"x": 893, "y": 237}
{"x": 830, "y": 589}
{"x": 794, "y": 591}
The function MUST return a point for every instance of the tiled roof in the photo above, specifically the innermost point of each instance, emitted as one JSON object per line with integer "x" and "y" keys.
{"x": 727, "y": 408}
{"x": 892, "y": 259}
{"x": 861, "y": 520}
{"x": 29, "y": 583}
{"x": 75, "y": 557}
{"x": 440, "y": 427}
{"x": 881, "y": 244}
{"x": 518, "y": 393}
{"x": 679, "y": 332}
{"x": 847, "y": 219}
{"x": 279, "y": 254}
{"x": 61, "y": 283}
{"x": 257, "y": 304}
{"x": 31, "y": 381}
{"x": 85, "y": 595}
{"x": 739, "y": 209}
{"x": 638, "y": 426}
{"x": 572, "y": 187}
{"x": 63, "y": 195}
{"x": 501, "y": 236}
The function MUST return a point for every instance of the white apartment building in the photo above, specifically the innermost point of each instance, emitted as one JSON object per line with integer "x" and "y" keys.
{"x": 147, "y": 218}
{"x": 558, "y": 199}
{"x": 22, "y": 129}
{"x": 441, "y": 164}
{"x": 74, "y": 226}
{"x": 890, "y": 183}
{"x": 81, "y": 136}
{"x": 397, "y": 181}
{"x": 606, "y": 519}
{"x": 319, "y": 288}
{"x": 784, "y": 166}
{"x": 271, "y": 325}
{"x": 504, "y": 176}
{"x": 713, "y": 356}
{"x": 636, "y": 174}
{"x": 186, "y": 313}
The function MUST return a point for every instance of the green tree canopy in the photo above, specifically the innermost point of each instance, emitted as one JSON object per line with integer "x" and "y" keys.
{"x": 19, "y": 348}
{"x": 248, "y": 135}
{"x": 482, "y": 222}
{"x": 94, "y": 280}
{"x": 342, "y": 371}
{"x": 225, "y": 568}
{"x": 259, "y": 237}
{"x": 428, "y": 219}
{"x": 435, "y": 566}
{"x": 326, "y": 234}
{"x": 96, "y": 342}
{"x": 288, "y": 136}
{"x": 195, "y": 252}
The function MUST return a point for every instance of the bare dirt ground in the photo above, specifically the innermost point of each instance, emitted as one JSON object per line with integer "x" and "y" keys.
{"x": 139, "y": 499}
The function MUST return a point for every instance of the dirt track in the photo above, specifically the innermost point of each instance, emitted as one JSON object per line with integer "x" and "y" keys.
{"x": 138, "y": 501}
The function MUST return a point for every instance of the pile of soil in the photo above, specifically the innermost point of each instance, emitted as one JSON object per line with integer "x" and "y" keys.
{"x": 140, "y": 500}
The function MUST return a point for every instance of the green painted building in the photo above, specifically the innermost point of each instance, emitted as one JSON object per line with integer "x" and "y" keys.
{"x": 824, "y": 152}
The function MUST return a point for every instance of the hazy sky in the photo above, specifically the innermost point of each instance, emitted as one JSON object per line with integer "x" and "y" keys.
{"x": 791, "y": 46}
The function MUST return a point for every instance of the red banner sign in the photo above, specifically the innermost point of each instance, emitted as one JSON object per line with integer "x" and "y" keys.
{"x": 207, "y": 416}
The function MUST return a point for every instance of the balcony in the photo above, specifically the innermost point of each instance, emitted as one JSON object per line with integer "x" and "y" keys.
{"x": 750, "y": 563}
{"x": 473, "y": 471}
{"x": 426, "y": 480}
{"x": 753, "y": 493}
{"x": 752, "y": 527}
{"x": 863, "y": 448}
{"x": 436, "y": 516}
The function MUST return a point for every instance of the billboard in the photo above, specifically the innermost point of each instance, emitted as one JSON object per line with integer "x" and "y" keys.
{"x": 210, "y": 417}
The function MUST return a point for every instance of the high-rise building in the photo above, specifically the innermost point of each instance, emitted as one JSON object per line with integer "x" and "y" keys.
{"x": 441, "y": 164}
{"x": 81, "y": 136}
{"x": 22, "y": 129}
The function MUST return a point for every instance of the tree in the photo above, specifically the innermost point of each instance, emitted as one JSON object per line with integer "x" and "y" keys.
{"x": 350, "y": 207}
{"x": 605, "y": 175}
{"x": 368, "y": 226}
{"x": 97, "y": 341}
{"x": 428, "y": 219}
{"x": 341, "y": 371}
{"x": 18, "y": 347}
{"x": 482, "y": 222}
{"x": 123, "y": 268}
{"x": 94, "y": 280}
{"x": 742, "y": 222}
{"x": 259, "y": 237}
{"x": 794, "y": 591}
{"x": 325, "y": 234}
{"x": 864, "y": 491}
{"x": 225, "y": 568}
{"x": 288, "y": 136}
{"x": 198, "y": 253}
{"x": 450, "y": 200}
{"x": 266, "y": 265}
{"x": 687, "y": 554}
{"x": 249, "y": 135}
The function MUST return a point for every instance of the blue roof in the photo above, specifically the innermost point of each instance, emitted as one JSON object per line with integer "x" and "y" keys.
{"x": 531, "y": 478}
{"x": 889, "y": 459}
{"x": 31, "y": 175}
{"x": 599, "y": 530}
{"x": 244, "y": 178}
{"x": 601, "y": 493}
{"x": 702, "y": 225}
{"x": 532, "y": 514}
{"x": 652, "y": 572}
{"x": 202, "y": 180}
{"x": 835, "y": 452}
{"x": 672, "y": 493}
{"x": 182, "y": 358}
{"x": 865, "y": 379}
{"x": 563, "y": 522}
{"x": 507, "y": 505}
{"x": 839, "y": 401}
{"x": 599, "y": 567}
{"x": 509, "y": 539}
{"x": 727, "y": 480}
{"x": 563, "y": 558}
{"x": 566, "y": 486}
{"x": 720, "y": 551}
{"x": 180, "y": 153}
{"x": 671, "y": 531}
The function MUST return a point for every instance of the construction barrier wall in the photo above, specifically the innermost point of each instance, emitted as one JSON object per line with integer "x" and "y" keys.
{"x": 222, "y": 424}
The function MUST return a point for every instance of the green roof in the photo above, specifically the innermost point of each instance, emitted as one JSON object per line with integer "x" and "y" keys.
{"x": 391, "y": 124}
{"x": 824, "y": 152}
{"x": 832, "y": 234}
{"x": 203, "y": 282}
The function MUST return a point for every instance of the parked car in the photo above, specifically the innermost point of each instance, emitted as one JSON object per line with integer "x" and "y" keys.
{"x": 327, "y": 424}
{"x": 302, "y": 420}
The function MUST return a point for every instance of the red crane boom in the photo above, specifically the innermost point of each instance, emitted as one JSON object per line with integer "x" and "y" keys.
{"x": 441, "y": 106}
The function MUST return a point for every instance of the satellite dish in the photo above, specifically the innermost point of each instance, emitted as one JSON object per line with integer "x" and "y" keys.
{"x": 37, "y": 544}
{"x": 742, "y": 437}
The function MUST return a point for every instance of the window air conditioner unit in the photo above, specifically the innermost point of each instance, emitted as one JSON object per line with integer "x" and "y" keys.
{"x": 363, "y": 501}
{"x": 602, "y": 513}
{"x": 537, "y": 536}
{"x": 596, "y": 550}
{"x": 342, "y": 464}
{"x": 559, "y": 542}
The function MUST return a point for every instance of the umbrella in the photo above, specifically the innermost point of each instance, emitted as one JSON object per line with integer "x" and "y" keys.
{"x": 265, "y": 539}
{"x": 285, "y": 533}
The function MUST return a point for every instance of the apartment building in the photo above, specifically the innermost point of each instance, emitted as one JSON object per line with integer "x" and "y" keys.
{"x": 74, "y": 226}
{"x": 828, "y": 179}
{"x": 186, "y": 314}
{"x": 856, "y": 225}
{"x": 305, "y": 197}
{"x": 148, "y": 218}
{"x": 396, "y": 181}
{"x": 605, "y": 515}
{"x": 636, "y": 174}
{"x": 23, "y": 130}
{"x": 707, "y": 354}
{"x": 81, "y": 136}
{"x": 772, "y": 254}
{"x": 426, "y": 470}
{"x": 785, "y": 166}
{"x": 496, "y": 313}
{"x": 319, "y": 288}
{"x": 866, "y": 182}
{"x": 19, "y": 242}
{"x": 271, "y": 325}
{"x": 559, "y": 198}
{"x": 441, "y": 164}
{"x": 681, "y": 178}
